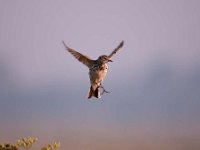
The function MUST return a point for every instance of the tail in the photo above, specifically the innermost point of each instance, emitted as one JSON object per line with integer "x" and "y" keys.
{"x": 95, "y": 93}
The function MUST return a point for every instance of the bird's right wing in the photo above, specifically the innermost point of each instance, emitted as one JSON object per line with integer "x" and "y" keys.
{"x": 80, "y": 57}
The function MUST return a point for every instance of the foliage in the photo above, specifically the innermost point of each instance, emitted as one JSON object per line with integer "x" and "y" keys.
{"x": 54, "y": 146}
{"x": 8, "y": 146}
{"x": 27, "y": 143}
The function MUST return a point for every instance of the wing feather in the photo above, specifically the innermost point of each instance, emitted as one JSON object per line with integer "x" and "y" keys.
{"x": 116, "y": 49}
{"x": 80, "y": 57}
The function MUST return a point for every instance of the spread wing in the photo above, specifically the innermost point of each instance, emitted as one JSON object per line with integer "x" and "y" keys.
{"x": 116, "y": 49}
{"x": 80, "y": 57}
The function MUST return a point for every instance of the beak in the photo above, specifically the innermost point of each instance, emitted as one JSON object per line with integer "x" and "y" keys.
{"x": 110, "y": 60}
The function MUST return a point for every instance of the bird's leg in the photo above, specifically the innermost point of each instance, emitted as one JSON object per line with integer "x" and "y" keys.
{"x": 104, "y": 90}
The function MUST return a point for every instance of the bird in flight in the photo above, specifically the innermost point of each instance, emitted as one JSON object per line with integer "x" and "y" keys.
{"x": 97, "y": 69}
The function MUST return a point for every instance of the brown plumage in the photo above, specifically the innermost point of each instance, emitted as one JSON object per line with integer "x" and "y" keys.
{"x": 97, "y": 68}
{"x": 116, "y": 49}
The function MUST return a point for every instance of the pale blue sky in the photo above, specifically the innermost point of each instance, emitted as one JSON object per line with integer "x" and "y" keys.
{"x": 154, "y": 81}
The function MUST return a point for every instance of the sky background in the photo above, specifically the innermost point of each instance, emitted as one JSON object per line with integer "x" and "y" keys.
{"x": 154, "y": 80}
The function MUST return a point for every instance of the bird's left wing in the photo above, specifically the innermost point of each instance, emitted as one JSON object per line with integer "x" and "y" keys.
{"x": 116, "y": 49}
{"x": 80, "y": 57}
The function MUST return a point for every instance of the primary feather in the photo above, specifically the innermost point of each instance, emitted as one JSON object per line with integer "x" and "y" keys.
{"x": 80, "y": 57}
{"x": 116, "y": 49}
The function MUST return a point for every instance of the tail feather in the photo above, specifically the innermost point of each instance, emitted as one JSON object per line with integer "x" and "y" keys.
{"x": 95, "y": 93}
{"x": 90, "y": 93}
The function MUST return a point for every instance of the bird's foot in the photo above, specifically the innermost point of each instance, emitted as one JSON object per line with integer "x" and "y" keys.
{"x": 104, "y": 90}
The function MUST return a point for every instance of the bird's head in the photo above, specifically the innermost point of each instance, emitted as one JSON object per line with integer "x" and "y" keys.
{"x": 104, "y": 59}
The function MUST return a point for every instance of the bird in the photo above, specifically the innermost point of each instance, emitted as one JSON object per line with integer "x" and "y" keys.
{"x": 97, "y": 68}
